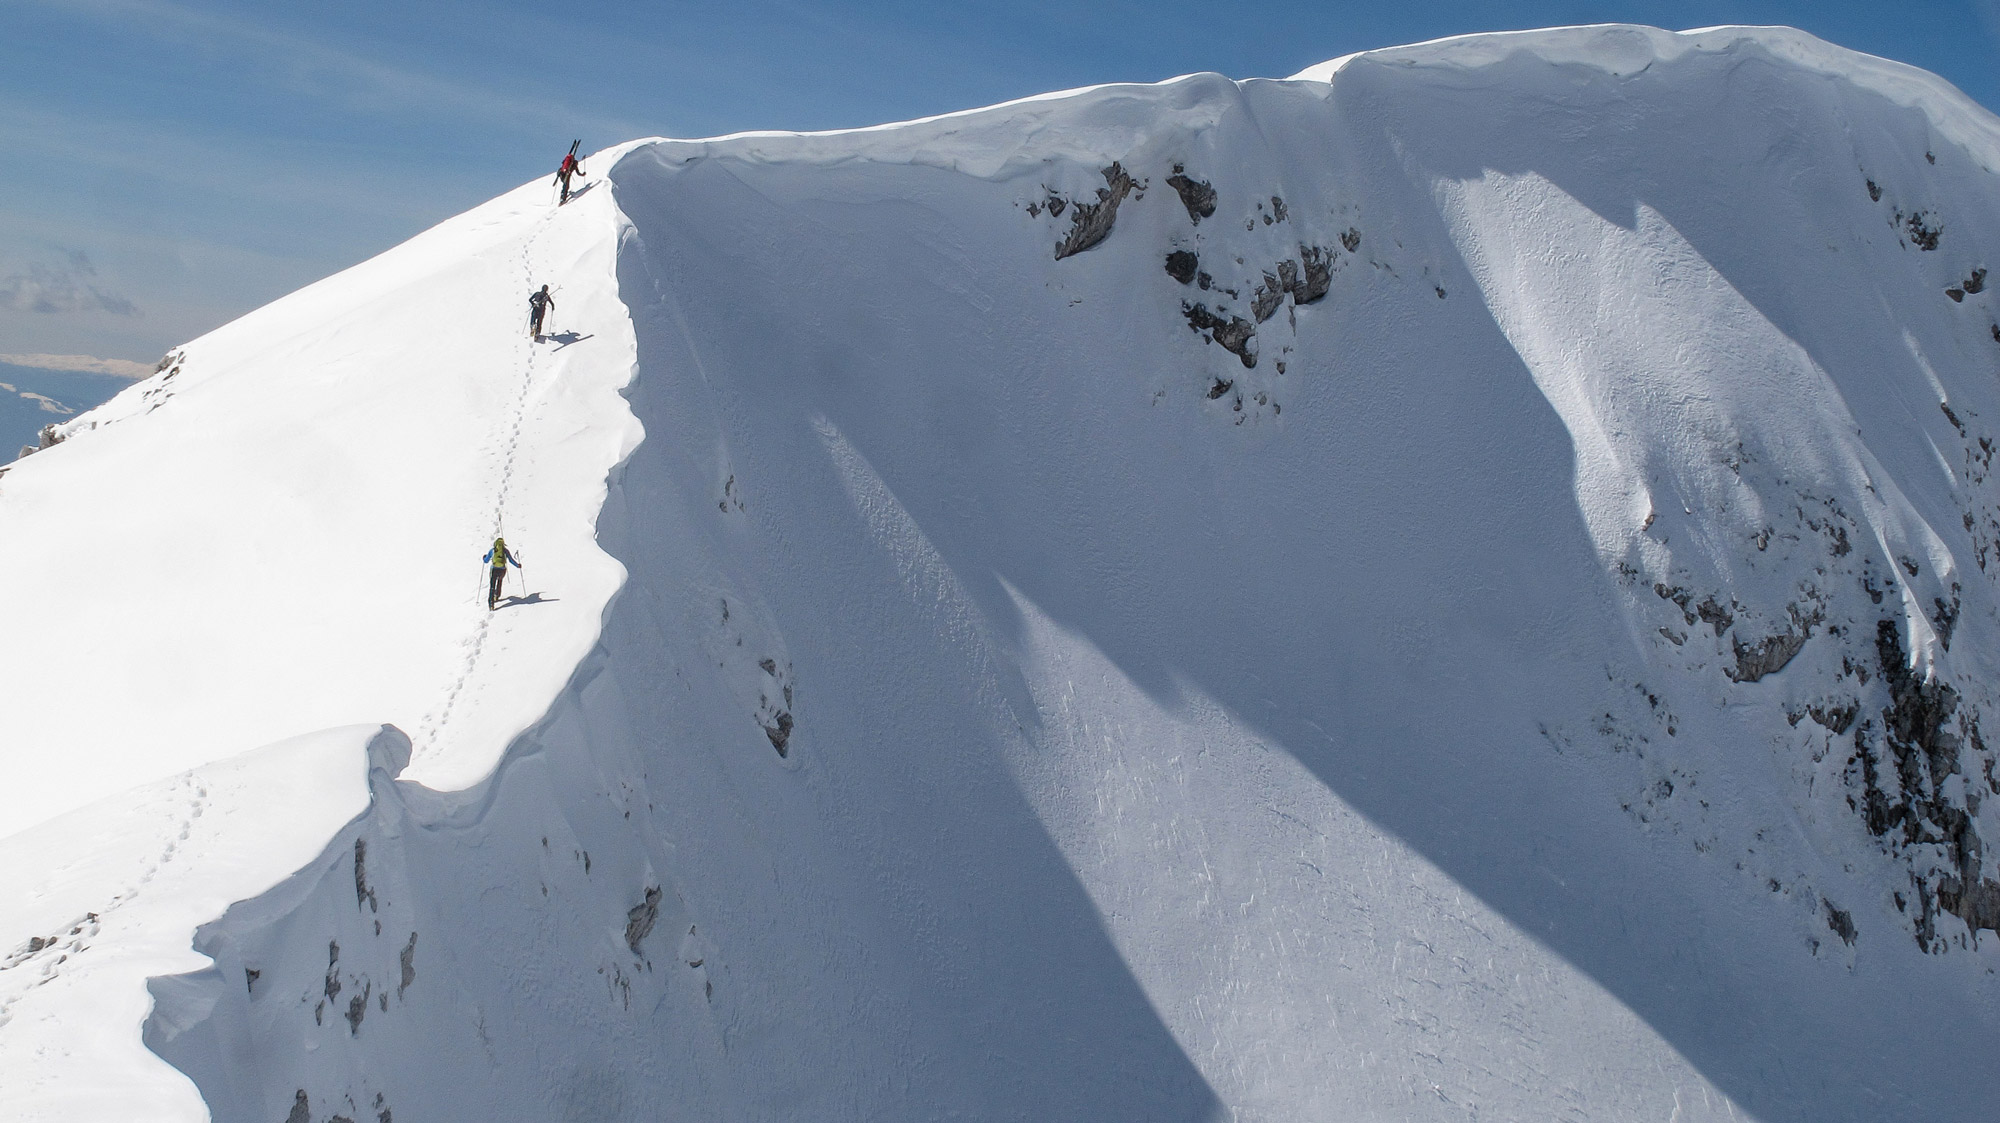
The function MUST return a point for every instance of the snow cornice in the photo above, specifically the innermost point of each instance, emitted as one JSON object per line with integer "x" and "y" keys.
{"x": 1623, "y": 50}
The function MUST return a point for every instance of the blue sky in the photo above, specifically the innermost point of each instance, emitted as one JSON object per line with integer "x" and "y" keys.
{"x": 175, "y": 163}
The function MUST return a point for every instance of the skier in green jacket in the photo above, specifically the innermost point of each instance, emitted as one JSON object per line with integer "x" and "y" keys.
{"x": 498, "y": 558}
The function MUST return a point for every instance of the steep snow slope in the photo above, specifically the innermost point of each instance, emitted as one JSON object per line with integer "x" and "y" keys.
{"x": 1452, "y": 586}
{"x": 280, "y": 533}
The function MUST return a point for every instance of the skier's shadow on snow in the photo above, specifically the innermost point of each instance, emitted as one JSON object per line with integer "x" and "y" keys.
{"x": 531, "y": 598}
{"x": 576, "y": 193}
{"x": 564, "y": 339}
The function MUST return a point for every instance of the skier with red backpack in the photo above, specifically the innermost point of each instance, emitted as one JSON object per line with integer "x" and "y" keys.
{"x": 571, "y": 166}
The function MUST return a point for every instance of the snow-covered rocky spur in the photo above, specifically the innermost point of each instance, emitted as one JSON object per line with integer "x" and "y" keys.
{"x": 1450, "y": 586}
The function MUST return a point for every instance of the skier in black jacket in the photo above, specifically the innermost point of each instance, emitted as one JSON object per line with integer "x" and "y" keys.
{"x": 540, "y": 304}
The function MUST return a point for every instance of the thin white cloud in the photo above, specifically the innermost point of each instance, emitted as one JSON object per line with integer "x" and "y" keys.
{"x": 86, "y": 364}
{"x": 1989, "y": 14}
{"x": 195, "y": 160}
{"x": 327, "y": 73}
{"x": 64, "y": 286}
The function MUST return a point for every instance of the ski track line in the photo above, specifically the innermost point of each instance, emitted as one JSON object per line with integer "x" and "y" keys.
{"x": 75, "y": 937}
{"x": 431, "y": 730}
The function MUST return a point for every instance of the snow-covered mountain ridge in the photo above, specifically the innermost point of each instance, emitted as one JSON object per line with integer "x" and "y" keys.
{"x": 1450, "y": 586}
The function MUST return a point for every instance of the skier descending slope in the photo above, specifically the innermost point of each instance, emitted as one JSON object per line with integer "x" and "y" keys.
{"x": 539, "y": 306}
{"x": 497, "y": 560}
{"x": 571, "y": 166}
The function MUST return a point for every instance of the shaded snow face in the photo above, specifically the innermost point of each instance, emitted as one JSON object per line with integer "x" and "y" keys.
{"x": 1775, "y": 412}
{"x": 1457, "y": 591}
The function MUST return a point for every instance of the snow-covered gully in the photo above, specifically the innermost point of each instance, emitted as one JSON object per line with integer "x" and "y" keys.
{"x": 1452, "y": 586}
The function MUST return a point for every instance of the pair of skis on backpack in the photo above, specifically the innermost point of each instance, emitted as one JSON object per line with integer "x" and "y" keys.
{"x": 570, "y": 166}
{"x": 540, "y": 304}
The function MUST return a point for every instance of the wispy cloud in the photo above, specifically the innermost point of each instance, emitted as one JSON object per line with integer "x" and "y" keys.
{"x": 62, "y": 287}
{"x": 327, "y": 73}
{"x": 200, "y": 161}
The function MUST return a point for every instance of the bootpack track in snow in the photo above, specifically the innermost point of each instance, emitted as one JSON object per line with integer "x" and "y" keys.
{"x": 433, "y": 724}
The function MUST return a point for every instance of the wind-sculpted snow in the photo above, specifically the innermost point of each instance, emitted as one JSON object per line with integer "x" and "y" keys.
{"x": 1451, "y": 587}
{"x": 111, "y": 892}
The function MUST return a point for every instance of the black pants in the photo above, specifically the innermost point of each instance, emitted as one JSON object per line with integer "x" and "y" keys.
{"x": 493, "y": 587}
{"x": 535, "y": 321}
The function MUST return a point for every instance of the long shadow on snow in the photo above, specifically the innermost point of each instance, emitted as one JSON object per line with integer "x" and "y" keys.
{"x": 1797, "y": 232}
{"x": 881, "y": 925}
{"x": 648, "y": 912}
{"x": 915, "y": 921}
{"x": 1392, "y": 589}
